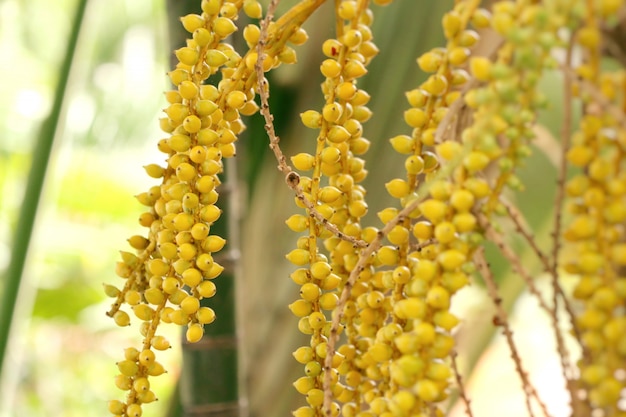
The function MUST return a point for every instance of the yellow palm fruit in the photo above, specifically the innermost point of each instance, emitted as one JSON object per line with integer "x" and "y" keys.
{"x": 252, "y": 9}
{"x": 127, "y": 367}
{"x": 311, "y": 119}
{"x": 187, "y": 55}
{"x": 304, "y": 412}
{"x": 303, "y": 161}
{"x": 304, "y": 384}
{"x": 397, "y": 188}
{"x": 116, "y": 407}
{"x": 133, "y": 410}
{"x": 223, "y": 26}
{"x": 205, "y": 315}
{"x": 480, "y": 68}
{"x": 194, "y": 333}
{"x": 111, "y": 290}
{"x": 299, "y": 257}
{"x": 121, "y": 318}
{"x": 206, "y": 289}
{"x": 301, "y": 308}
{"x": 191, "y": 22}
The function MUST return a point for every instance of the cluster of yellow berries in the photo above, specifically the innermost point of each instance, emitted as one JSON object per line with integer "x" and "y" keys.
{"x": 396, "y": 318}
{"x": 173, "y": 268}
{"x": 595, "y": 246}
{"x": 376, "y": 302}
{"x": 334, "y": 190}
{"x": 472, "y": 119}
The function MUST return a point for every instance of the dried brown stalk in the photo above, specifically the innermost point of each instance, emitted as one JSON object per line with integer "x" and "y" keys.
{"x": 502, "y": 320}
{"x": 291, "y": 177}
{"x": 509, "y": 254}
{"x": 459, "y": 382}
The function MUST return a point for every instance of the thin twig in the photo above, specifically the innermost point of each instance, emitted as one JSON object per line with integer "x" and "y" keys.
{"x": 522, "y": 228}
{"x": 566, "y": 133}
{"x": 512, "y": 257}
{"x": 459, "y": 382}
{"x": 291, "y": 177}
{"x": 502, "y": 320}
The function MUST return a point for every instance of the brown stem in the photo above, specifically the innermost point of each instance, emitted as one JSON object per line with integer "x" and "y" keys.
{"x": 502, "y": 320}
{"x": 459, "y": 382}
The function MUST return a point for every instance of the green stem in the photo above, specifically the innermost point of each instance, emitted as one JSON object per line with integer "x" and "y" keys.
{"x": 36, "y": 177}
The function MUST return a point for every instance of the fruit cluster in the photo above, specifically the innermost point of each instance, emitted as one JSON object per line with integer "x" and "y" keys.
{"x": 334, "y": 191}
{"x": 377, "y": 301}
{"x": 594, "y": 247}
{"x": 173, "y": 267}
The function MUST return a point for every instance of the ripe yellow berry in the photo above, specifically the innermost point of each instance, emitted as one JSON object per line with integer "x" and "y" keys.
{"x": 480, "y": 67}
{"x": 252, "y": 9}
{"x": 121, "y": 318}
{"x": 430, "y": 61}
{"x": 223, "y": 26}
{"x": 190, "y": 305}
{"x": 452, "y": 24}
{"x": 346, "y": 91}
{"x": 402, "y": 144}
{"x": 438, "y": 297}
{"x": 116, "y": 407}
{"x": 236, "y": 99}
{"x": 202, "y": 37}
{"x": 303, "y": 161}
{"x": 310, "y": 291}
{"x": 352, "y": 38}
{"x": 194, "y": 333}
{"x": 458, "y": 55}
{"x": 206, "y": 289}
{"x": 205, "y": 315}
{"x": 388, "y": 255}
{"x": 187, "y": 55}
{"x": 398, "y": 188}
{"x": 311, "y": 119}
{"x": 427, "y": 390}
{"x": 415, "y": 117}
{"x": 328, "y": 301}
{"x": 133, "y": 410}
{"x": 143, "y": 312}
{"x": 210, "y": 213}
{"x": 188, "y": 90}
{"x": 111, "y": 290}
{"x": 476, "y": 161}
{"x": 159, "y": 343}
{"x": 192, "y": 124}
{"x": 299, "y": 257}
{"x": 191, "y": 22}
{"x": 445, "y": 232}
{"x": 304, "y": 384}
{"x": 330, "y": 68}
{"x": 301, "y": 308}
{"x": 433, "y": 210}
{"x": 338, "y": 134}
{"x": 128, "y": 367}
{"x": 354, "y": 69}
{"x": 156, "y": 369}
{"x": 317, "y": 320}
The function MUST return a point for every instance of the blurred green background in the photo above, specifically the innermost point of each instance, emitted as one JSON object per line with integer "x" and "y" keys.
{"x": 62, "y": 349}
